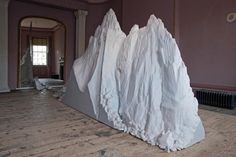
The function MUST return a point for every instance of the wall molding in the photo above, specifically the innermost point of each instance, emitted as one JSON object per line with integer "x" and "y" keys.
{"x": 4, "y": 46}
{"x": 80, "y": 32}
{"x": 210, "y": 86}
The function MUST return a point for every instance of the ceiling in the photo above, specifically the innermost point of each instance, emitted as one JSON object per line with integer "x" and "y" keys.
{"x": 39, "y": 22}
{"x": 96, "y": 1}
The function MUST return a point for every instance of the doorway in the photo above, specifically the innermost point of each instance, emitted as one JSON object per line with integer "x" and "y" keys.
{"x": 41, "y": 53}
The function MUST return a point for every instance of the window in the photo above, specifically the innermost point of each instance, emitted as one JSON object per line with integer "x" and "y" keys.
{"x": 40, "y": 51}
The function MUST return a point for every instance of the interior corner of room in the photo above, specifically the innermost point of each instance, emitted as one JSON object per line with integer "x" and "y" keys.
{"x": 41, "y": 39}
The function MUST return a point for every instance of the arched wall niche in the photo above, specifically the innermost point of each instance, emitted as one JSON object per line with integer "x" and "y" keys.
{"x": 33, "y": 29}
{"x": 19, "y": 10}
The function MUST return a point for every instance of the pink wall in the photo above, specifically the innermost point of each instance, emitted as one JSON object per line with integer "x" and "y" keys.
{"x": 116, "y": 5}
{"x": 207, "y": 42}
{"x": 38, "y": 33}
{"x": 70, "y": 4}
{"x": 96, "y": 13}
{"x": 138, "y": 12}
{"x": 94, "y": 18}
{"x": 45, "y": 8}
{"x": 34, "y": 33}
{"x": 18, "y": 10}
{"x": 204, "y": 37}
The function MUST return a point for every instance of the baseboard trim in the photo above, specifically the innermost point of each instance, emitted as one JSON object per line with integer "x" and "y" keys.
{"x": 216, "y": 87}
{"x": 5, "y": 90}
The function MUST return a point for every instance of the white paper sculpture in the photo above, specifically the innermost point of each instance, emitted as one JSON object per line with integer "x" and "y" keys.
{"x": 26, "y": 76}
{"x": 137, "y": 83}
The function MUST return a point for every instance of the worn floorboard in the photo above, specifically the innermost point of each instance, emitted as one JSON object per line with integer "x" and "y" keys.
{"x": 35, "y": 124}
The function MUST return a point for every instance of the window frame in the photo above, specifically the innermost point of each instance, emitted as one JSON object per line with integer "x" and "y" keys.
{"x": 47, "y": 50}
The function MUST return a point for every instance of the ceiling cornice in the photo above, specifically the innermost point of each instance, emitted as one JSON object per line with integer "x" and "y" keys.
{"x": 60, "y": 4}
{"x": 94, "y": 1}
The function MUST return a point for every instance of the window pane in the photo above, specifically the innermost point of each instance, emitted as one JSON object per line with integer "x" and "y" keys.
{"x": 40, "y": 48}
{"x": 34, "y": 48}
{"x": 39, "y": 55}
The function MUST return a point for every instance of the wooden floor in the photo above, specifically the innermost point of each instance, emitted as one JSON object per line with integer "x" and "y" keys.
{"x": 36, "y": 124}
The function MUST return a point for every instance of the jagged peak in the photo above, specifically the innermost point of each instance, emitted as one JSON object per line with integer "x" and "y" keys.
{"x": 111, "y": 12}
{"x": 98, "y": 31}
{"x": 110, "y": 20}
{"x": 154, "y": 20}
{"x": 135, "y": 28}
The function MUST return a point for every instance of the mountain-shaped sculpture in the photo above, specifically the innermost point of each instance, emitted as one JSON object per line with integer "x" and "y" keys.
{"x": 136, "y": 83}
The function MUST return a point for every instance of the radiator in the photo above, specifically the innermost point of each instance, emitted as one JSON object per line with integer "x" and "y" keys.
{"x": 216, "y": 98}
